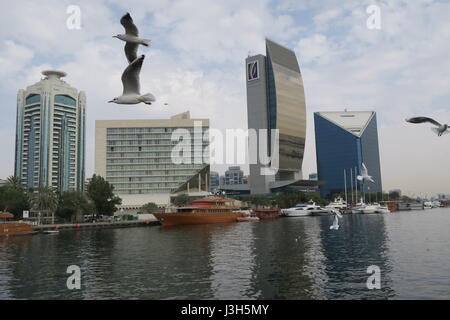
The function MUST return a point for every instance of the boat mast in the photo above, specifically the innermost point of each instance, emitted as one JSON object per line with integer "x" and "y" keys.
{"x": 345, "y": 185}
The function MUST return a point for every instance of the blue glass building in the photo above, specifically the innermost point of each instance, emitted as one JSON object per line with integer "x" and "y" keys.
{"x": 50, "y": 135}
{"x": 345, "y": 140}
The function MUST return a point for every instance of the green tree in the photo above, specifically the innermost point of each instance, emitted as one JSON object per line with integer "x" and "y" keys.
{"x": 14, "y": 201}
{"x": 101, "y": 192}
{"x": 72, "y": 205}
{"x": 150, "y": 207}
{"x": 14, "y": 182}
{"x": 181, "y": 200}
{"x": 45, "y": 200}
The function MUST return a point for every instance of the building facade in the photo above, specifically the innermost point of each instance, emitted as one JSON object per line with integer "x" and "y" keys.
{"x": 50, "y": 134}
{"x": 136, "y": 157}
{"x": 344, "y": 141}
{"x": 276, "y": 100}
{"x": 214, "y": 181}
{"x": 234, "y": 175}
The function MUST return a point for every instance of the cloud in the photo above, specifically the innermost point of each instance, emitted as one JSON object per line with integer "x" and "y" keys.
{"x": 196, "y": 63}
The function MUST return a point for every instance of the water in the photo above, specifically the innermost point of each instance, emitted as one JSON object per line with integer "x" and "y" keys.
{"x": 289, "y": 258}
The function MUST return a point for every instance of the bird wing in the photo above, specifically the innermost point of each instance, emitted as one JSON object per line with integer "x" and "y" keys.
{"x": 130, "y": 77}
{"x": 364, "y": 171}
{"x": 131, "y": 51}
{"x": 422, "y": 120}
{"x": 128, "y": 24}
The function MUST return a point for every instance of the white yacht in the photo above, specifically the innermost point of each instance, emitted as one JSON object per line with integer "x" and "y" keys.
{"x": 374, "y": 208}
{"x": 359, "y": 206}
{"x": 428, "y": 205}
{"x": 338, "y": 203}
{"x": 302, "y": 210}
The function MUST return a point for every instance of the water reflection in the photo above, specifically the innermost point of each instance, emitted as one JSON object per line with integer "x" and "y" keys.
{"x": 291, "y": 258}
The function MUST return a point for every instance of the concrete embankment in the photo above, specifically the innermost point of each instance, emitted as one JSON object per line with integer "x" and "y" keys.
{"x": 115, "y": 224}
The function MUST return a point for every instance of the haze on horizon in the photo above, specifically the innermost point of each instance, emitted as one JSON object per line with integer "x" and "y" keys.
{"x": 196, "y": 63}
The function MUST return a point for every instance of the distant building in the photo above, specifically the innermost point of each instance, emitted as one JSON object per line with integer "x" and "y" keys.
{"x": 443, "y": 197}
{"x": 50, "y": 134}
{"x": 214, "y": 181}
{"x": 276, "y": 100}
{"x": 135, "y": 156}
{"x": 345, "y": 140}
{"x": 313, "y": 176}
{"x": 3, "y": 183}
{"x": 234, "y": 175}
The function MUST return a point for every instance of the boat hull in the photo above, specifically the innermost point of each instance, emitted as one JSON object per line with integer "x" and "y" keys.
{"x": 15, "y": 229}
{"x": 173, "y": 219}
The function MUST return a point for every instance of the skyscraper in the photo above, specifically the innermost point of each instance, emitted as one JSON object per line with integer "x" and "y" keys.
{"x": 276, "y": 100}
{"x": 345, "y": 140}
{"x": 135, "y": 156}
{"x": 50, "y": 134}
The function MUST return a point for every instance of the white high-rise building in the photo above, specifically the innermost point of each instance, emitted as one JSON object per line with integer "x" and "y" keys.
{"x": 50, "y": 134}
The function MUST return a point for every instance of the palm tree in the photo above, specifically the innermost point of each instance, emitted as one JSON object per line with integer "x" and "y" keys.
{"x": 46, "y": 200}
{"x": 14, "y": 182}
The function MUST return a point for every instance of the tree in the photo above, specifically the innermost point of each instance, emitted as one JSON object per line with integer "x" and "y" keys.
{"x": 14, "y": 201}
{"x": 45, "y": 200}
{"x": 182, "y": 200}
{"x": 72, "y": 205}
{"x": 150, "y": 207}
{"x": 14, "y": 182}
{"x": 101, "y": 193}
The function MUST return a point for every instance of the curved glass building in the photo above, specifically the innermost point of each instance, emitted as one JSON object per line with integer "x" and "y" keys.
{"x": 276, "y": 100}
{"x": 50, "y": 134}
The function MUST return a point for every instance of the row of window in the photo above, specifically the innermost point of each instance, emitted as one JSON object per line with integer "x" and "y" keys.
{"x": 154, "y": 166}
{"x": 152, "y": 154}
{"x": 148, "y": 179}
{"x": 143, "y": 191}
{"x": 152, "y": 160}
{"x": 146, "y": 130}
{"x": 123, "y": 186}
{"x": 150, "y": 142}
{"x": 150, "y": 173}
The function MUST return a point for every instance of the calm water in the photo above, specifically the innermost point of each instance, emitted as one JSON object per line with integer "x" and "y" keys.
{"x": 289, "y": 258}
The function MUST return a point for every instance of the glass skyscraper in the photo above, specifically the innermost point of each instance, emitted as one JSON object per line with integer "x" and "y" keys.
{"x": 345, "y": 140}
{"x": 276, "y": 100}
{"x": 50, "y": 134}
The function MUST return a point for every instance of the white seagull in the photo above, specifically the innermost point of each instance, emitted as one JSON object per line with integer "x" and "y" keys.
{"x": 440, "y": 130}
{"x": 131, "y": 87}
{"x": 337, "y": 215}
{"x": 364, "y": 174}
{"x": 131, "y": 37}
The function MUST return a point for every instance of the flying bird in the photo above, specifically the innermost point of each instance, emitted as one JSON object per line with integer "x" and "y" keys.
{"x": 337, "y": 215}
{"x": 440, "y": 129}
{"x": 131, "y": 37}
{"x": 131, "y": 86}
{"x": 364, "y": 174}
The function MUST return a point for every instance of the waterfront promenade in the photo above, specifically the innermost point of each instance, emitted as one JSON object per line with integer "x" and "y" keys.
{"x": 90, "y": 225}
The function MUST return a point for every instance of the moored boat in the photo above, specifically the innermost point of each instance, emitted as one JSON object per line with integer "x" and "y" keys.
{"x": 13, "y": 228}
{"x": 267, "y": 213}
{"x": 202, "y": 211}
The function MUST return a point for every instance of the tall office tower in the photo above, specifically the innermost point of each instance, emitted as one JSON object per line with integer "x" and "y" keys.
{"x": 50, "y": 134}
{"x": 135, "y": 156}
{"x": 345, "y": 140}
{"x": 276, "y": 100}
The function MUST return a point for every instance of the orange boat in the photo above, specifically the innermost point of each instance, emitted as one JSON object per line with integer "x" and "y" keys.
{"x": 206, "y": 210}
{"x": 8, "y": 229}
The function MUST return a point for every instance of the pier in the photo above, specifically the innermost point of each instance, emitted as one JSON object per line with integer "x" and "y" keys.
{"x": 91, "y": 225}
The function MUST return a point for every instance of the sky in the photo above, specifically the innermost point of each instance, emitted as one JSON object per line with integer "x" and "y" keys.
{"x": 196, "y": 63}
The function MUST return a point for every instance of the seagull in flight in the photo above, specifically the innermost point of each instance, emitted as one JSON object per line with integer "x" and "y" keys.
{"x": 131, "y": 37}
{"x": 337, "y": 215}
{"x": 131, "y": 87}
{"x": 440, "y": 129}
{"x": 364, "y": 174}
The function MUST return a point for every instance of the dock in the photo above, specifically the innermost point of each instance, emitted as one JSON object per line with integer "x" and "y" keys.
{"x": 92, "y": 225}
